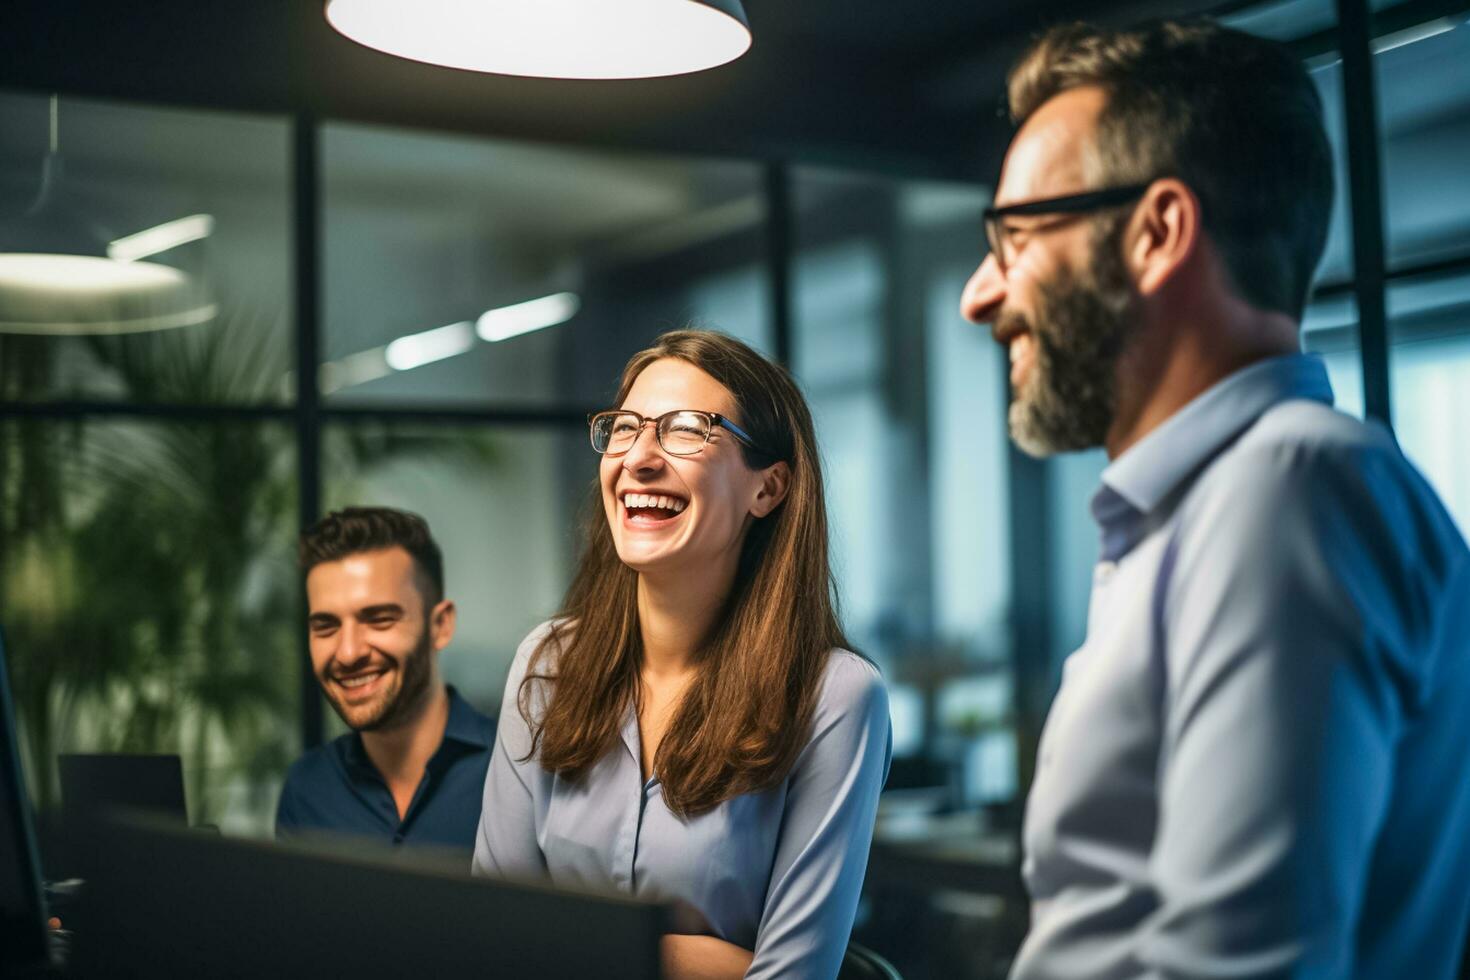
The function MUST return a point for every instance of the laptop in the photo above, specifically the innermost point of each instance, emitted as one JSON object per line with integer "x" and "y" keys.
{"x": 93, "y": 785}
{"x": 169, "y": 902}
{"x": 23, "y": 942}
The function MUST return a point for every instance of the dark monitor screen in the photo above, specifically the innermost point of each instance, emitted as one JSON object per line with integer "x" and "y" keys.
{"x": 171, "y": 902}
{"x": 22, "y": 911}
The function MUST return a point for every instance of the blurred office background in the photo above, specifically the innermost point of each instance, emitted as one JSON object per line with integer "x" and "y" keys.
{"x": 820, "y": 200}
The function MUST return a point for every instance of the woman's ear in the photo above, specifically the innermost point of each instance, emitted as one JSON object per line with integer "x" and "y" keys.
{"x": 775, "y": 482}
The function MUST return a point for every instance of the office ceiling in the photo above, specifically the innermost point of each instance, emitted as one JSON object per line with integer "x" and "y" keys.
{"x": 908, "y": 88}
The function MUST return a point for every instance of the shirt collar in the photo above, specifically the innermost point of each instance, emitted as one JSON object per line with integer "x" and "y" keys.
{"x": 463, "y": 725}
{"x": 1139, "y": 480}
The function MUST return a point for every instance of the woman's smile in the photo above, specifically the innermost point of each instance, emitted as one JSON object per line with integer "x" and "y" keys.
{"x": 649, "y": 511}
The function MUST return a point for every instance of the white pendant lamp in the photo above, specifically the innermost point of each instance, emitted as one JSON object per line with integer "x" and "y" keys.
{"x": 551, "y": 38}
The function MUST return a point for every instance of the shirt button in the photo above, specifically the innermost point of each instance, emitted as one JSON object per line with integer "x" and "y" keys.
{"x": 1103, "y": 573}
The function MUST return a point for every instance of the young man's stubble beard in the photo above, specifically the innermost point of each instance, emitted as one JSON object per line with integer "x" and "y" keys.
{"x": 1081, "y": 327}
{"x": 414, "y": 673}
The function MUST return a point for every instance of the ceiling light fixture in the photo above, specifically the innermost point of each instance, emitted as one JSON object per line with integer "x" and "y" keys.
{"x": 428, "y": 346}
{"x": 56, "y": 277}
{"x": 551, "y": 38}
{"x": 161, "y": 238}
{"x": 536, "y": 314}
{"x": 418, "y": 349}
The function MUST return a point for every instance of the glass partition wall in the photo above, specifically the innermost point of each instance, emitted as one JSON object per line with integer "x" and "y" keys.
{"x": 148, "y": 479}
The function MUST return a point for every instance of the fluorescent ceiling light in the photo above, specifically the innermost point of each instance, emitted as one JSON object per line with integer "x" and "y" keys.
{"x": 512, "y": 321}
{"x": 1389, "y": 42}
{"x": 1419, "y": 32}
{"x": 354, "y": 369}
{"x": 418, "y": 349}
{"x": 161, "y": 238}
{"x": 551, "y": 38}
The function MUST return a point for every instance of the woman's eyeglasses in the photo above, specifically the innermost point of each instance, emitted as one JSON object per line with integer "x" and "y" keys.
{"x": 680, "y": 433}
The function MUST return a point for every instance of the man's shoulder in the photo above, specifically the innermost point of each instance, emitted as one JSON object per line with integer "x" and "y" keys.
{"x": 1312, "y": 427}
{"x": 1306, "y": 474}
{"x": 484, "y": 721}
{"x": 1304, "y": 447}
{"x": 318, "y": 762}
{"x": 467, "y": 720}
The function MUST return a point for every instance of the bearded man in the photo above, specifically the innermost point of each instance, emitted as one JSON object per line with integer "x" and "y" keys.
{"x": 1256, "y": 764}
{"x": 412, "y": 770}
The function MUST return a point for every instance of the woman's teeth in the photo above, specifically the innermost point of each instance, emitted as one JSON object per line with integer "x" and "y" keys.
{"x": 641, "y": 501}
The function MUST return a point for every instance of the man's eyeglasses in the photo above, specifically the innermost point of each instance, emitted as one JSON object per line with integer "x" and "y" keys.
{"x": 680, "y": 433}
{"x": 996, "y": 232}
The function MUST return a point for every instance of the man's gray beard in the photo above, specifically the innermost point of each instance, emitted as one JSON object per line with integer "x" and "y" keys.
{"x": 1082, "y": 325}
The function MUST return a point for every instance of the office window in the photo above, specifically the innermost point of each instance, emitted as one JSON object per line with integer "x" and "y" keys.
{"x": 149, "y": 594}
{"x": 181, "y": 220}
{"x": 1424, "y": 105}
{"x": 909, "y": 401}
{"x": 1330, "y": 330}
{"x": 1294, "y": 20}
{"x": 450, "y": 234}
{"x": 1075, "y": 544}
{"x": 1423, "y": 96}
{"x": 1430, "y": 360}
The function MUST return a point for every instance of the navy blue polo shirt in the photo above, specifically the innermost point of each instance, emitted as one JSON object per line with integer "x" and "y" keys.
{"x": 335, "y": 788}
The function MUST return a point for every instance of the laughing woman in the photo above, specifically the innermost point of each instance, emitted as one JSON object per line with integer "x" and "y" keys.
{"x": 691, "y": 726}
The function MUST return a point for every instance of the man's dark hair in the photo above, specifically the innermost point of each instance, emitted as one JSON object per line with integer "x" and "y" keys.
{"x": 1233, "y": 116}
{"x": 353, "y": 530}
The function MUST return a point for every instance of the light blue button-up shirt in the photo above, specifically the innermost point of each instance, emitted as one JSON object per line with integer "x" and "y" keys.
{"x": 777, "y": 872}
{"x": 1258, "y": 763}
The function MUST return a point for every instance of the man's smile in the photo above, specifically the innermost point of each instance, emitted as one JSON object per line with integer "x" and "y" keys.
{"x": 361, "y": 684}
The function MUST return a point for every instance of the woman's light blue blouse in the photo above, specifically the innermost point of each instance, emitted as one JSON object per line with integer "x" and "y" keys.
{"x": 776, "y": 872}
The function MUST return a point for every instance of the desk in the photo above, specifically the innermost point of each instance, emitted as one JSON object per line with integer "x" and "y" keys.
{"x": 945, "y": 897}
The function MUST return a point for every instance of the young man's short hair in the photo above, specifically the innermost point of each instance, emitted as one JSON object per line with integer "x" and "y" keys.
{"x": 353, "y": 530}
{"x": 1233, "y": 116}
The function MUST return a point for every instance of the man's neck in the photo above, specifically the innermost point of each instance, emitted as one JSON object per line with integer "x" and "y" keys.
{"x": 1169, "y": 367}
{"x": 401, "y": 753}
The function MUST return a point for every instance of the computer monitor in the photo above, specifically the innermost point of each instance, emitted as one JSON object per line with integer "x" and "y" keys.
{"x": 23, "y": 943}
{"x": 169, "y": 902}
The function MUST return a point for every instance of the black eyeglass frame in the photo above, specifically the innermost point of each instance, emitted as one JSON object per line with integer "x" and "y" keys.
{"x": 715, "y": 419}
{"x": 1066, "y": 204}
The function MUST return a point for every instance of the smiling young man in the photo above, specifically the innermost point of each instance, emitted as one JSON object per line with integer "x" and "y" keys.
{"x": 1256, "y": 764}
{"x": 413, "y": 767}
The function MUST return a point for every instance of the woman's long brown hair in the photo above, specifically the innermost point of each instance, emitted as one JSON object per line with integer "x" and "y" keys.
{"x": 746, "y": 717}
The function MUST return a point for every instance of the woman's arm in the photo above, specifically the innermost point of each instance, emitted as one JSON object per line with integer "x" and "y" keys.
{"x": 506, "y": 844}
{"x": 703, "y": 958}
{"x": 827, "y": 827}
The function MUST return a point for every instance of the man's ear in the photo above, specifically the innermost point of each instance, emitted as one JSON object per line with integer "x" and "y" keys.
{"x": 441, "y": 623}
{"x": 775, "y": 482}
{"x": 1163, "y": 235}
